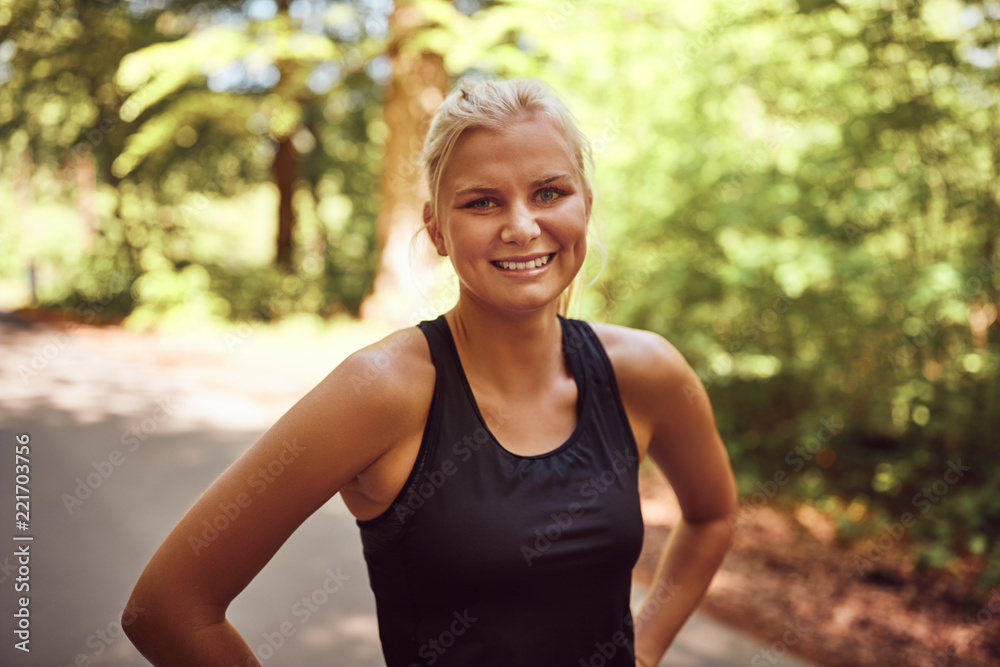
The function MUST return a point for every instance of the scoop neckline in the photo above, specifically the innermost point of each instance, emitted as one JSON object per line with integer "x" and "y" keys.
{"x": 582, "y": 395}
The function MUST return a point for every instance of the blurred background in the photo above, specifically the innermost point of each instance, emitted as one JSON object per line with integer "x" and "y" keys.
{"x": 803, "y": 197}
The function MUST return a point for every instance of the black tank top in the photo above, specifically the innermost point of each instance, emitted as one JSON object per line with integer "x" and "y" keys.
{"x": 491, "y": 559}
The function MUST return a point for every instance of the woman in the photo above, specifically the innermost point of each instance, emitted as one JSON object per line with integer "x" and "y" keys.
{"x": 492, "y": 465}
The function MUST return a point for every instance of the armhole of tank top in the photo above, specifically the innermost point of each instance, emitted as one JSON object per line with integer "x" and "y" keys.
{"x": 424, "y": 453}
{"x": 609, "y": 368}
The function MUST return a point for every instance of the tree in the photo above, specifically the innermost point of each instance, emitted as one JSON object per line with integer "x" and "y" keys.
{"x": 416, "y": 86}
{"x": 260, "y": 87}
{"x": 59, "y": 123}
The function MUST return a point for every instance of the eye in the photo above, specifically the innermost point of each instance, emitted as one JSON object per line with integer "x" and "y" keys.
{"x": 481, "y": 204}
{"x": 549, "y": 195}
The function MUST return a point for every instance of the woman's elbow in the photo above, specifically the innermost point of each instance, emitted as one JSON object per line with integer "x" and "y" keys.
{"x": 149, "y": 618}
{"x": 137, "y": 621}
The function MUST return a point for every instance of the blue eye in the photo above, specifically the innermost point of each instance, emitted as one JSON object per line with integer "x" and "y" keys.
{"x": 481, "y": 204}
{"x": 549, "y": 195}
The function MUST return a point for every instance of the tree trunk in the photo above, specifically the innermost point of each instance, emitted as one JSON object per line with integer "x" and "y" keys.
{"x": 285, "y": 174}
{"x": 86, "y": 207}
{"x": 416, "y": 88}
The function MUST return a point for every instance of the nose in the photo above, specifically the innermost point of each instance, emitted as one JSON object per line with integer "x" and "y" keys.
{"x": 520, "y": 226}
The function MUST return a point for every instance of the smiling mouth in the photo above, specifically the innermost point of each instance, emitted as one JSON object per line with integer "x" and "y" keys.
{"x": 521, "y": 266}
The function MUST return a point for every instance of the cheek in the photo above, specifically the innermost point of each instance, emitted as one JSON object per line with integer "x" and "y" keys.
{"x": 465, "y": 237}
{"x": 574, "y": 220}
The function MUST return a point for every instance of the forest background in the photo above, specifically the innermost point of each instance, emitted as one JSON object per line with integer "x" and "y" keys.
{"x": 802, "y": 196}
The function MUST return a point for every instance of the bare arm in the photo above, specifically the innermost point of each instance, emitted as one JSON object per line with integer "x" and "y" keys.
{"x": 324, "y": 441}
{"x": 668, "y": 404}
{"x": 692, "y": 555}
{"x": 686, "y": 446}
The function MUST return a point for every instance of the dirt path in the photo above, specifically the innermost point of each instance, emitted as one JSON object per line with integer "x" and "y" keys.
{"x": 789, "y": 583}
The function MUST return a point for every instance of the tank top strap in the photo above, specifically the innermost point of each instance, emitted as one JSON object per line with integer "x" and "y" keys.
{"x": 583, "y": 347}
{"x": 443, "y": 351}
{"x": 379, "y": 534}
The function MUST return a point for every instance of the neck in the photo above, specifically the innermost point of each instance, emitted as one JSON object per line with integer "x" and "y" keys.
{"x": 519, "y": 352}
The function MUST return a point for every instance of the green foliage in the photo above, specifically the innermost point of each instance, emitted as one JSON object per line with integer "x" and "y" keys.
{"x": 801, "y": 196}
{"x": 177, "y": 106}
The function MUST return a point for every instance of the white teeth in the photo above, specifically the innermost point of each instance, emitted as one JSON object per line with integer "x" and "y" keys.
{"x": 532, "y": 264}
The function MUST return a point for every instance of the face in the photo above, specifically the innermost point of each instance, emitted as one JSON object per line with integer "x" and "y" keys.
{"x": 512, "y": 215}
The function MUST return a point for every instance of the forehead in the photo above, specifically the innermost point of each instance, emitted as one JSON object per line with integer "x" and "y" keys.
{"x": 532, "y": 146}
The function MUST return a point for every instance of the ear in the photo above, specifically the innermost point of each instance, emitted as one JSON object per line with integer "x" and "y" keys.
{"x": 590, "y": 202}
{"x": 434, "y": 230}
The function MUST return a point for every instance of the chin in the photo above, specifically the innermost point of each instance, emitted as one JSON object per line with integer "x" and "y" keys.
{"x": 530, "y": 302}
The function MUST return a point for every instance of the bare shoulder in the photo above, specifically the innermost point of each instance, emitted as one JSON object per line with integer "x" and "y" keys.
{"x": 672, "y": 419}
{"x": 652, "y": 375}
{"x": 642, "y": 360}
{"x": 395, "y": 367}
{"x": 390, "y": 381}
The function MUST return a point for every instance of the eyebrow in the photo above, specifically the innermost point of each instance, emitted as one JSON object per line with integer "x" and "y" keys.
{"x": 486, "y": 190}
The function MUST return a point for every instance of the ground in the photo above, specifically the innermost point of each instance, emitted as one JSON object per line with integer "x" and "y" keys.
{"x": 791, "y": 584}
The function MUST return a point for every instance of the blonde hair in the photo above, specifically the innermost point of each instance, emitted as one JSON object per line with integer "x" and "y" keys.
{"x": 497, "y": 105}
